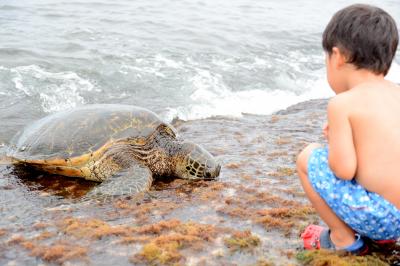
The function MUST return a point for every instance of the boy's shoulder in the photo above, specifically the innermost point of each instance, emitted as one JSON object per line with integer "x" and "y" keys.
{"x": 341, "y": 102}
{"x": 363, "y": 96}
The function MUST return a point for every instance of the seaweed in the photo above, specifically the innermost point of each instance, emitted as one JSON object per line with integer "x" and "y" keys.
{"x": 283, "y": 171}
{"x": 165, "y": 248}
{"x": 283, "y": 141}
{"x": 159, "y": 227}
{"x": 233, "y": 165}
{"x": 44, "y": 235}
{"x": 327, "y": 258}
{"x": 40, "y": 225}
{"x": 263, "y": 262}
{"x": 90, "y": 228}
{"x": 274, "y": 118}
{"x": 245, "y": 205}
{"x": 242, "y": 241}
{"x": 3, "y": 232}
{"x": 285, "y": 218}
{"x": 155, "y": 255}
{"x": 59, "y": 253}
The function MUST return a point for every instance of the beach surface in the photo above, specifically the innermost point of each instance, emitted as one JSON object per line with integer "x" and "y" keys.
{"x": 251, "y": 215}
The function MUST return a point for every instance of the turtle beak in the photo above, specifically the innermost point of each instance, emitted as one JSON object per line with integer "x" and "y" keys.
{"x": 218, "y": 170}
{"x": 213, "y": 173}
{"x": 197, "y": 164}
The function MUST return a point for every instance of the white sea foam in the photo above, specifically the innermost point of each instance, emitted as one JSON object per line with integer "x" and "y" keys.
{"x": 153, "y": 67}
{"x": 160, "y": 59}
{"x": 57, "y": 91}
{"x": 212, "y": 97}
{"x": 140, "y": 71}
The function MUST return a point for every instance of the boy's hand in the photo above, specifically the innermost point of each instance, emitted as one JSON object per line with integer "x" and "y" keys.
{"x": 325, "y": 131}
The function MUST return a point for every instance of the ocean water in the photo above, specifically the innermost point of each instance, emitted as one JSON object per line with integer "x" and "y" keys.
{"x": 190, "y": 59}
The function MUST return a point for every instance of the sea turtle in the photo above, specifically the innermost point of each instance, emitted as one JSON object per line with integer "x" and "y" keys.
{"x": 122, "y": 146}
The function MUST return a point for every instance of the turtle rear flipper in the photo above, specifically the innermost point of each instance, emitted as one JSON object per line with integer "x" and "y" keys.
{"x": 131, "y": 181}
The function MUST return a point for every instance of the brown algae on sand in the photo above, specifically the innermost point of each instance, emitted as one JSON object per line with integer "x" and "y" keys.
{"x": 329, "y": 258}
{"x": 267, "y": 209}
{"x": 154, "y": 255}
{"x": 286, "y": 219}
{"x": 3, "y": 232}
{"x": 162, "y": 241}
{"x": 90, "y": 228}
{"x": 283, "y": 171}
{"x": 57, "y": 252}
{"x": 242, "y": 241}
{"x": 170, "y": 237}
{"x": 60, "y": 252}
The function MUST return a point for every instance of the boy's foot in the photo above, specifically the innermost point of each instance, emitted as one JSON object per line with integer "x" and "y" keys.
{"x": 318, "y": 237}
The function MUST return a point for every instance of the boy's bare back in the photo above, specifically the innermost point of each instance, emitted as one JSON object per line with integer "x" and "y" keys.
{"x": 360, "y": 43}
{"x": 373, "y": 112}
{"x": 354, "y": 183}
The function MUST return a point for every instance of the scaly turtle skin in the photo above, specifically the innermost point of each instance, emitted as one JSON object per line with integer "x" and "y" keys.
{"x": 123, "y": 143}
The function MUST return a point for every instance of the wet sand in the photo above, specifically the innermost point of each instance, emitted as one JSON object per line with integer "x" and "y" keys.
{"x": 251, "y": 215}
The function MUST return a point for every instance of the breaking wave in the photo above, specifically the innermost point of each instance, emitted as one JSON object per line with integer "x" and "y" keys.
{"x": 55, "y": 90}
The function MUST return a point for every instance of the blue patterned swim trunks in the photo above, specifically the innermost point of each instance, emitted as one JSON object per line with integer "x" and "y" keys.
{"x": 368, "y": 213}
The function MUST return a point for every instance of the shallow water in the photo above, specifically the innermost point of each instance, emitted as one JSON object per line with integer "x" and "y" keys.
{"x": 33, "y": 203}
{"x": 188, "y": 223}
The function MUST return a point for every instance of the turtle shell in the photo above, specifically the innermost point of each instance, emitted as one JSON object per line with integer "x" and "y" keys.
{"x": 82, "y": 130}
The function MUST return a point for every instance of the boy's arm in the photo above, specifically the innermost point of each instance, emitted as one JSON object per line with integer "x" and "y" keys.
{"x": 342, "y": 155}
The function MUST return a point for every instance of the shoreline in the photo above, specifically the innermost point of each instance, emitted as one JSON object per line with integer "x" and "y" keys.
{"x": 251, "y": 215}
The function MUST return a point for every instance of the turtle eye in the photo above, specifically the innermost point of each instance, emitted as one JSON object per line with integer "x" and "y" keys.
{"x": 208, "y": 175}
{"x": 167, "y": 129}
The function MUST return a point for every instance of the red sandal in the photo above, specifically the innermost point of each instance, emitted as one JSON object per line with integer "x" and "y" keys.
{"x": 311, "y": 236}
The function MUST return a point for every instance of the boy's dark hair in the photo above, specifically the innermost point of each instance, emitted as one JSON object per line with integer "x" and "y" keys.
{"x": 367, "y": 35}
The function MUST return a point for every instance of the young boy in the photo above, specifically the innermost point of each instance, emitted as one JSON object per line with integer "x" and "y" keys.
{"x": 354, "y": 183}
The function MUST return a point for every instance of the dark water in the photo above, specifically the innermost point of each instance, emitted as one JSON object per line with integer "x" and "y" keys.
{"x": 189, "y": 59}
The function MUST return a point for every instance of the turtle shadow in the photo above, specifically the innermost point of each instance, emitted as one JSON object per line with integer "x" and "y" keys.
{"x": 174, "y": 185}
{"x": 50, "y": 184}
{"x": 77, "y": 188}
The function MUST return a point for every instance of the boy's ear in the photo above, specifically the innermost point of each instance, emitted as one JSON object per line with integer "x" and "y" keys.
{"x": 339, "y": 58}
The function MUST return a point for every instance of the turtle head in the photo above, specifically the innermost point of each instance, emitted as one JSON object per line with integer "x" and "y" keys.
{"x": 194, "y": 162}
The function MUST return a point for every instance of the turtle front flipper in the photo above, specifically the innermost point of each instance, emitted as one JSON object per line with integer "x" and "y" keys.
{"x": 130, "y": 181}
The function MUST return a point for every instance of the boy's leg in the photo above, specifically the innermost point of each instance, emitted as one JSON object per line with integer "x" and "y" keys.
{"x": 341, "y": 234}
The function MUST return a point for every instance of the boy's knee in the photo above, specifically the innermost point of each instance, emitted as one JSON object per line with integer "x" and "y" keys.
{"x": 302, "y": 158}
